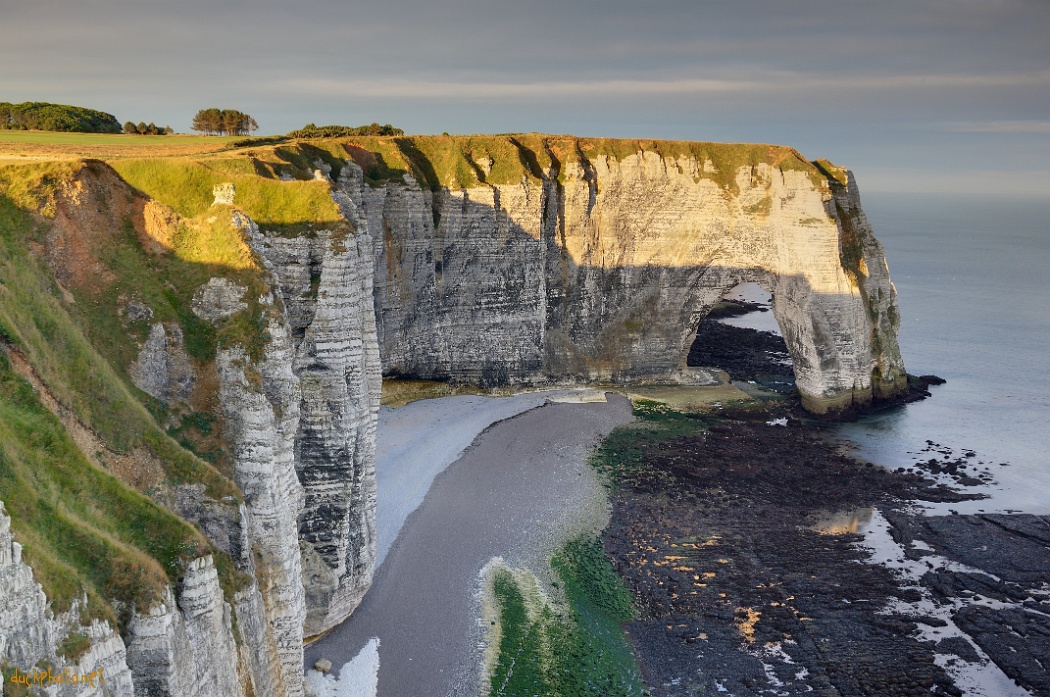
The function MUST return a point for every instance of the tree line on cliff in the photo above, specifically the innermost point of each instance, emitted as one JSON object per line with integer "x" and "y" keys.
{"x": 372, "y": 129}
{"x": 42, "y": 116}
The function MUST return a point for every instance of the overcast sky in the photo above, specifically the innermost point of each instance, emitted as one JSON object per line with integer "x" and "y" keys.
{"x": 912, "y": 94}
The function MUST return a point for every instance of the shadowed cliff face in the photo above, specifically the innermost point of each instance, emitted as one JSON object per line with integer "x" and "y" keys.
{"x": 601, "y": 268}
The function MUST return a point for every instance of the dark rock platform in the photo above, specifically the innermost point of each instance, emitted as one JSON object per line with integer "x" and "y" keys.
{"x": 741, "y": 548}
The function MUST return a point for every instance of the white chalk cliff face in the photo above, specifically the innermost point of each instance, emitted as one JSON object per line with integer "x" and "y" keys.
{"x": 325, "y": 282}
{"x": 602, "y": 269}
{"x": 596, "y": 269}
{"x": 300, "y": 411}
{"x": 30, "y": 632}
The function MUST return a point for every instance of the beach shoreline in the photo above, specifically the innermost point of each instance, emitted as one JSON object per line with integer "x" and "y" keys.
{"x": 521, "y": 489}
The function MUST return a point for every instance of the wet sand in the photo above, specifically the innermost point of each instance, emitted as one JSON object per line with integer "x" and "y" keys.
{"x": 522, "y": 488}
{"x": 416, "y": 442}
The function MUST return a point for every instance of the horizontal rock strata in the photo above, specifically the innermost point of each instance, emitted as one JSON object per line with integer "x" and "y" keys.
{"x": 600, "y": 270}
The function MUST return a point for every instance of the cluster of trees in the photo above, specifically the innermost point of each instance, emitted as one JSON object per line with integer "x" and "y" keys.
{"x": 150, "y": 129}
{"x": 373, "y": 129}
{"x": 219, "y": 122}
{"x": 42, "y": 116}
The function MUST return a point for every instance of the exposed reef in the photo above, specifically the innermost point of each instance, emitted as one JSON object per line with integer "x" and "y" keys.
{"x": 762, "y": 559}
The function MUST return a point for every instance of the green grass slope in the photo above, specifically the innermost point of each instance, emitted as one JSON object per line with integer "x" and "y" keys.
{"x": 85, "y": 528}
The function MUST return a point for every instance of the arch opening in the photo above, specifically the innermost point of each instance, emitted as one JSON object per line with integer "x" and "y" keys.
{"x": 741, "y": 335}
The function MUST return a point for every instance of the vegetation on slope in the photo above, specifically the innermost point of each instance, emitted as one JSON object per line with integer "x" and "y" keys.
{"x": 42, "y": 116}
{"x": 85, "y": 530}
{"x": 61, "y": 340}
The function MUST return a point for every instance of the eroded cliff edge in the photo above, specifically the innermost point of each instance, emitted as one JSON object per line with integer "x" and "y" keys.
{"x": 198, "y": 344}
{"x": 215, "y": 384}
{"x": 538, "y": 259}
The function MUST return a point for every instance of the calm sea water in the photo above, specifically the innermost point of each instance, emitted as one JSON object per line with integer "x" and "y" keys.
{"x": 973, "y": 283}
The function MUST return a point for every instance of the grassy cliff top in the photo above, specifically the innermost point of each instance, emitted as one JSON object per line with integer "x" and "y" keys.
{"x": 453, "y": 161}
{"x": 465, "y": 161}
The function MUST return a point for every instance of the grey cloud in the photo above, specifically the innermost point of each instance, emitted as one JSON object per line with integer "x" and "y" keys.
{"x": 846, "y": 77}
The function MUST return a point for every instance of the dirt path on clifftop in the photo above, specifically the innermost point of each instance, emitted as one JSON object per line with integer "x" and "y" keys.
{"x": 518, "y": 491}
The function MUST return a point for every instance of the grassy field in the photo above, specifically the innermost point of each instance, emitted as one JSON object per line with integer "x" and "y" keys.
{"x": 43, "y": 145}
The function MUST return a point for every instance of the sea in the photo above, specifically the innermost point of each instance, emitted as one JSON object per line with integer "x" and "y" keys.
{"x": 973, "y": 282}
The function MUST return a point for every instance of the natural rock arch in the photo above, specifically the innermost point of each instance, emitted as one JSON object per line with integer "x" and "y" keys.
{"x": 599, "y": 268}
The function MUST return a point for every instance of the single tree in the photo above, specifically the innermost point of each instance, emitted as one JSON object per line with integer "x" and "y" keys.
{"x": 129, "y": 127}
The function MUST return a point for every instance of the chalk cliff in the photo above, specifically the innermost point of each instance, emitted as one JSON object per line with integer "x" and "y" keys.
{"x": 199, "y": 345}
{"x": 550, "y": 260}
{"x": 259, "y": 348}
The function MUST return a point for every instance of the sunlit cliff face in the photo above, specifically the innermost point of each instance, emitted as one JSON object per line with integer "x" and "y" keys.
{"x": 602, "y": 269}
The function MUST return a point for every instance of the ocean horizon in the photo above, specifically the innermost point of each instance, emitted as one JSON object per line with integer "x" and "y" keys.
{"x": 969, "y": 272}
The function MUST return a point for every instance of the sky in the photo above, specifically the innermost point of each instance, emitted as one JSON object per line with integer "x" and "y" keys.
{"x": 912, "y": 95}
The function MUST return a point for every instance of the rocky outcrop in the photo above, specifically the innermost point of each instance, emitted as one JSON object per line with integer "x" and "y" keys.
{"x": 261, "y": 404}
{"x": 326, "y": 287}
{"x": 219, "y": 298}
{"x": 30, "y": 633}
{"x": 188, "y": 648}
{"x": 163, "y": 369}
{"x": 600, "y": 268}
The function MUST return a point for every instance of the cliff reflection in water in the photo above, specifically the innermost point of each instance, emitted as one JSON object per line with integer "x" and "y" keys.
{"x": 850, "y": 521}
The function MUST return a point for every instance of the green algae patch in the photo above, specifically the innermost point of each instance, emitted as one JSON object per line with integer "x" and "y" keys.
{"x": 623, "y": 450}
{"x": 574, "y": 646}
